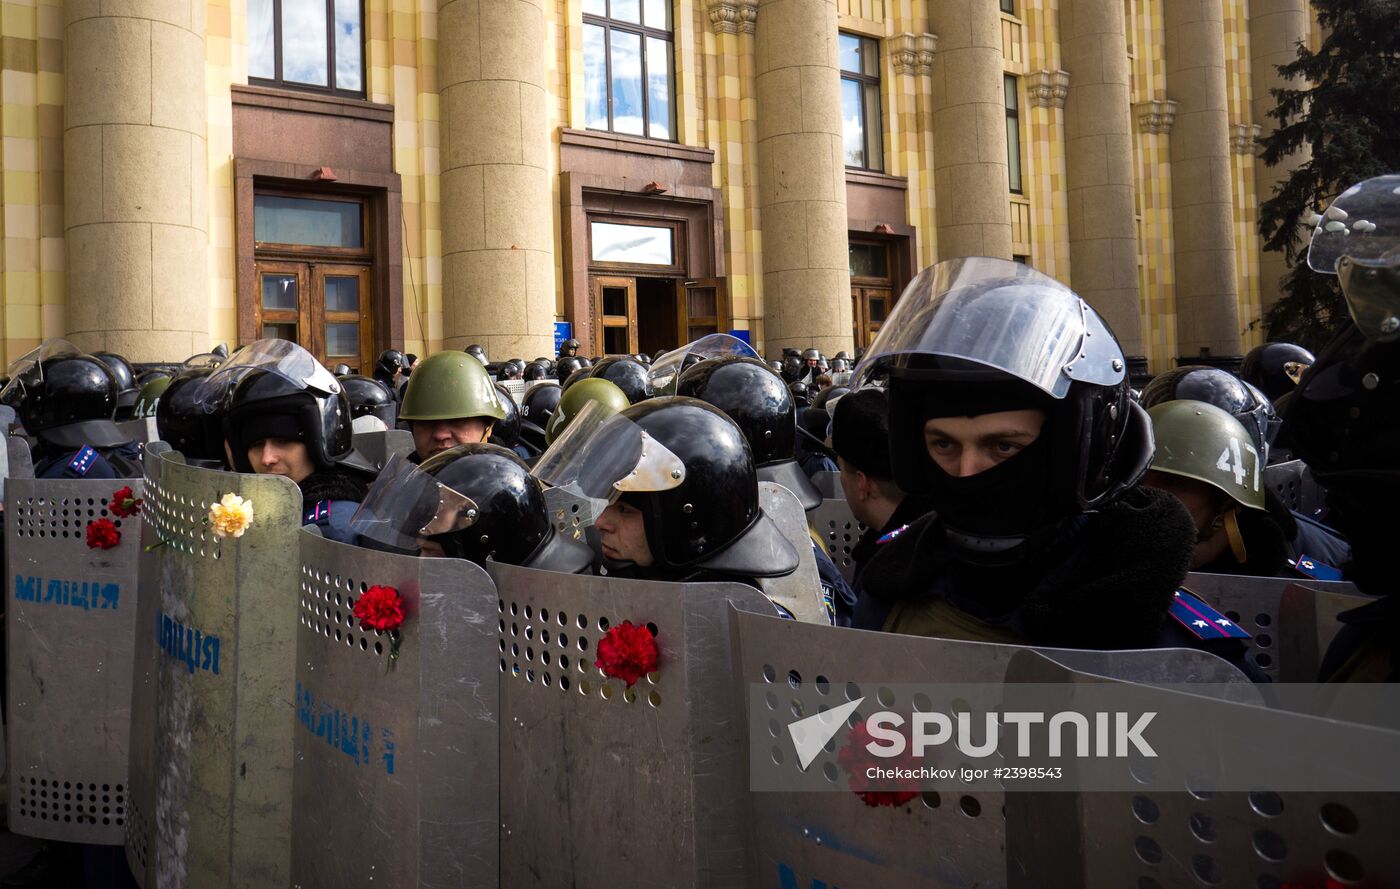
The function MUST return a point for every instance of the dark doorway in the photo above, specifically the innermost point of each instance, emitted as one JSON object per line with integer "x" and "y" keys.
{"x": 657, "y": 323}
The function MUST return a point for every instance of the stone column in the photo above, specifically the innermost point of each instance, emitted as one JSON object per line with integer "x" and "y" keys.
{"x": 1099, "y": 165}
{"x": 1275, "y": 28}
{"x": 969, "y": 131}
{"x": 497, "y": 216}
{"x": 1207, "y": 295}
{"x": 135, "y": 218}
{"x": 802, "y": 177}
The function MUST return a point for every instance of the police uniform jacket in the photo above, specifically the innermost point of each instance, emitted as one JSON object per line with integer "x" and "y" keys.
{"x": 329, "y": 497}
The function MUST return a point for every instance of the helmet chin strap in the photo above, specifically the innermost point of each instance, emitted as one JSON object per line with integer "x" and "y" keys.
{"x": 1232, "y": 531}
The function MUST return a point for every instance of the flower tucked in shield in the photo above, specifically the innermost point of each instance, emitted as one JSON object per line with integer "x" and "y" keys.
{"x": 103, "y": 534}
{"x": 856, "y": 759}
{"x": 231, "y": 516}
{"x": 381, "y": 608}
{"x": 627, "y": 652}
{"x": 124, "y": 504}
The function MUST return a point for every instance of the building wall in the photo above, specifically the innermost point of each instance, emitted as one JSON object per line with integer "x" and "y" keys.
{"x": 716, "y": 110}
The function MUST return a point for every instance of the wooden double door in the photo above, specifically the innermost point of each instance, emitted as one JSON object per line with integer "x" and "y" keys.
{"x": 323, "y": 307}
{"x": 637, "y": 313}
{"x": 870, "y": 306}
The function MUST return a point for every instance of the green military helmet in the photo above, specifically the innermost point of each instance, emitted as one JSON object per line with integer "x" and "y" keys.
{"x": 450, "y": 386}
{"x": 150, "y": 394}
{"x": 1200, "y": 441}
{"x": 577, "y": 397}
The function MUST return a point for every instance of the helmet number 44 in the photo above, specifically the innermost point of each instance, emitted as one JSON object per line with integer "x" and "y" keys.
{"x": 1231, "y": 460}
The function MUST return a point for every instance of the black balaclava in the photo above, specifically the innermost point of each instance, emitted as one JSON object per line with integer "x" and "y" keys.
{"x": 989, "y": 516}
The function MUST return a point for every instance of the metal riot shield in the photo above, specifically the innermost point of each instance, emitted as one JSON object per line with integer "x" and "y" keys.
{"x": 839, "y": 532}
{"x": 212, "y": 701}
{"x": 829, "y": 484}
{"x": 937, "y": 840}
{"x": 801, "y": 591}
{"x": 1293, "y": 483}
{"x": 1168, "y": 835}
{"x": 1291, "y": 622}
{"x": 378, "y": 447}
{"x": 70, "y": 629}
{"x": 609, "y": 785}
{"x": 19, "y": 463}
{"x": 392, "y": 741}
{"x": 141, "y": 430}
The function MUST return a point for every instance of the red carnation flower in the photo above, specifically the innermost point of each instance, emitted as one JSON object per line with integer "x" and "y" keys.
{"x": 102, "y": 534}
{"x": 627, "y": 652}
{"x": 855, "y": 759}
{"x": 380, "y": 608}
{"x": 124, "y": 504}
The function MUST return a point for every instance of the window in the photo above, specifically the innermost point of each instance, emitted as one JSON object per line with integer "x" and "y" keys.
{"x": 632, "y": 244}
{"x": 1013, "y": 134}
{"x": 307, "y": 44}
{"x": 1008, "y": 7}
{"x": 628, "y": 69}
{"x": 860, "y": 102}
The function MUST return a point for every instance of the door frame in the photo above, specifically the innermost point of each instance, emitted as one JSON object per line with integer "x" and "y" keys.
{"x": 602, "y": 322}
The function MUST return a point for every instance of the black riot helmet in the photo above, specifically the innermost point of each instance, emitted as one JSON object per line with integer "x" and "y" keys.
{"x": 568, "y": 348}
{"x": 1222, "y": 389}
{"x": 513, "y": 523}
{"x": 759, "y": 403}
{"x": 267, "y": 405}
{"x": 127, "y": 390}
{"x": 184, "y": 424}
{"x": 811, "y": 355}
{"x": 389, "y": 362}
{"x": 1276, "y": 368}
{"x": 535, "y": 370}
{"x": 627, "y": 374}
{"x": 566, "y": 365}
{"x": 476, "y": 501}
{"x": 843, "y": 355}
{"x": 801, "y": 393}
{"x": 478, "y": 353}
{"x": 64, "y": 396}
{"x": 369, "y": 398}
{"x": 582, "y": 373}
{"x": 793, "y": 368}
{"x": 535, "y": 411}
{"x": 840, "y": 365}
{"x": 514, "y": 369}
{"x": 342, "y": 370}
{"x": 688, "y": 469}
{"x": 776, "y": 366}
{"x": 506, "y": 431}
{"x": 978, "y": 335}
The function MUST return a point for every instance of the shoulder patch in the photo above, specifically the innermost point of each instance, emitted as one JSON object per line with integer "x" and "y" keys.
{"x": 83, "y": 460}
{"x": 1202, "y": 620}
{"x": 892, "y": 535}
{"x": 1317, "y": 570}
{"x": 316, "y": 513}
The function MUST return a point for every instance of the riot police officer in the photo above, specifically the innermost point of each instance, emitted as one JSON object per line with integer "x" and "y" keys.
{"x": 472, "y": 501}
{"x": 1344, "y": 420}
{"x": 535, "y": 412}
{"x": 389, "y": 368}
{"x": 127, "y": 390}
{"x": 681, "y": 490}
{"x": 572, "y": 403}
{"x": 373, "y": 407}
{"x": 287, "y": 415}
{"x": 449, "y": 401}
{"x": 860, "y": 432}
{"x": 625, "y": 372}
{"x": 1276, "y": 368}
{"x": 1029, "y": 450}
{"x": 478, "y": 353}
{"x": 188, "y": 425}
{"x": 505, "y": 432}
{"x": 66, "y": 399}
{"x": 568, "y": 348}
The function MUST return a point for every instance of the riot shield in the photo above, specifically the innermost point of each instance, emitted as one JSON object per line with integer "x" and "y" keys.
{"x": 936, "y": 840}
{"x": 801, "y": 591}
{"x": 212, "y": 702}
{"x": 605, "y": 784}
{"x": 19, "y": 463}
{"x": 70, "y": 629}
{"x": 378, "y": 447}
{"x": 1291, "y": 622}
{"x": 829, "y": 484}
{"x": 1294, "y": 484}
{"x": 1168, "y": 835}
{"x": 396, "y": 747}
{"x": 839, "y": 533}
{"x": 571, "y": 513}
{"x": 140, "y": 430}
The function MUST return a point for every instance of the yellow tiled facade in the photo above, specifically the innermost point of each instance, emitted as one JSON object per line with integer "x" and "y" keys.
{"x": 715, "y": 108}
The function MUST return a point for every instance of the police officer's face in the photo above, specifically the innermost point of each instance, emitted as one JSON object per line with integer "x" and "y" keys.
{"x": 281, "y": 456}
{"x": 623, "y": 534}
{"x": 434, "y": 436}
{"x": 965, "y": 446}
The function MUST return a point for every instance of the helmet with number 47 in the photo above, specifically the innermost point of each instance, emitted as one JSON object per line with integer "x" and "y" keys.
{"x": 1200, "y": 441}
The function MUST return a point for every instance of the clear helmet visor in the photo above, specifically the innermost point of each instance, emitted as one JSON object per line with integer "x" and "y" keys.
{"x": 210, "y": 360}
{"x": 284, "y": 358}
{"x": 602, "y": 455}
{"x": 1363, "y": 223}
{"x": 36, "y": 358}
{"x": 1000, "y": 314}
{"x": 406, "y": 504}
{"x": 666, "y": 369}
